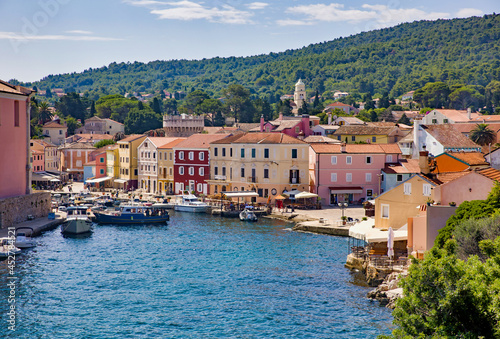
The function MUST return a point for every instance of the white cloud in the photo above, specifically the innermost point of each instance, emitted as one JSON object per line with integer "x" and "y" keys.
{"x": 145, "y": 3}
{"x": 291, "y": 22}
{"x": 33, "y": 37}
{"x": 257, "y": 5}
{"x": 467, "y": 12}
{"x": 78, "y": 31}
{"x": 188, "y": 10}
{"x": 382, "y": 15}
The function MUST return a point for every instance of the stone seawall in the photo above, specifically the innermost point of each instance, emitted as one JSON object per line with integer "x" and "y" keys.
{"x": 17, "y": 209}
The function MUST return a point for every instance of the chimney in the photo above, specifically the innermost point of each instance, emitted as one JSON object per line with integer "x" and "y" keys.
{"x": 280, "y": 116}
{"x": 469, "y": 111}
{"x": 305, "y": 125}
{"x": 423, "y": 161}
{"x": 343, "y": 148}
{"x": 329, "y": 118}
{"x": 262, "y": 123}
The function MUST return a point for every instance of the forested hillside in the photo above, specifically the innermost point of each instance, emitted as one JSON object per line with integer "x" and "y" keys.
{"x": 393, "y": 60}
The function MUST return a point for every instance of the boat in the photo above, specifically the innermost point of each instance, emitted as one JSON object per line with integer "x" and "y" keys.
{"x": 23, "y": 238}
{"x": 248, "y": 215}
{"x": 77, "y": 220}
{"x": 133, "y": 214}
{"x": 190, "y": 203}
{"x": 7, "y": 247}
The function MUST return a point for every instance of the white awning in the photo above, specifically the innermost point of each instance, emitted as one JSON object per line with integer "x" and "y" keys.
{"x": 96, "y": 180}
{"x": 305, "y": 195}
{"x": 121, "y": 181}
{"x": 365, "y": 231}
{"x": 240, "y": 194}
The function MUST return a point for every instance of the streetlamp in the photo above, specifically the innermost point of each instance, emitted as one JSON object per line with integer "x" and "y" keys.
{"x": 343, "y": 206}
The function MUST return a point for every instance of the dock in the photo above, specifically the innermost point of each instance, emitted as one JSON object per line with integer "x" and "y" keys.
{"x": 39, "y": 225}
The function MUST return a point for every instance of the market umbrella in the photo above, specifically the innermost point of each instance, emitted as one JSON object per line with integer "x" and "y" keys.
{"x": 305, "y": 195}
{"x": 390, "y": 243}
{"x": 279, "y": 197}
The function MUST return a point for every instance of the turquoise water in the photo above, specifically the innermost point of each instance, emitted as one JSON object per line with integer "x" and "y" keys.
{"x": 196, "y": 277}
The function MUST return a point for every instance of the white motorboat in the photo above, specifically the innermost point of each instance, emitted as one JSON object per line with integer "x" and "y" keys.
{"x": 77, "y": 221}
{"x": 23, "y": 237}
{"x": 248, "y": 215}
{"x": 7, "y": 247}
{"x": 190, "y": 203}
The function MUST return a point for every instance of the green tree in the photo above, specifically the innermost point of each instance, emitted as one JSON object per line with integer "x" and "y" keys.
{"x": 170, "y": 106}
{"x": 316, "y": 99}
{"x": 404, "y": 120}
{"x": 466, "y": 96}
{"x": 482, "y": 135}
{"x": 210, "y": 108}
{"x": 72, "y": 124}
{"x": 156, "y": 106}
{"x": 369, "y": 103}
{"x": 44, "y": 113}
{"x": 492, "y": 94}
{"x": 193, "y": 99}
{"x": 115, "y": 107}
{"x": 104, "y": 142}
{"x": 72, "y": 105}
{"x": 433, "y": 94}
{"x": 237, "y": 102}
{"x": 92, "y": 109}
{"x": 139, "y": 121}
{"x": 384, "y": 101}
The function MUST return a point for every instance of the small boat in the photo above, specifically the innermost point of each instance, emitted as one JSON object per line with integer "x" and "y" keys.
{"x": 248, "y": 215}
{"x": 77, "y": 220}
{"x": 23, "y": 238}
{"x": 190, "y": 203}
{"x": 133, "y": 214}
{"x": 7, "y": 247}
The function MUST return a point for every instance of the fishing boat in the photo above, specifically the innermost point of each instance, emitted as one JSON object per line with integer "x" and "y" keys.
{"x": 23, "y": 237}
{"x": 134, "y": 214}
{"x": 77, "y": 221}
{"x": 190, "y": 203}
{"x": 7, "y": 247}
{"x": 248, "y": 215}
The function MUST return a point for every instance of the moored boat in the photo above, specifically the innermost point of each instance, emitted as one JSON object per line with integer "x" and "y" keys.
{"x": 77, "y": 221}
{"x": 190, "y": 203}
{"x": 248, "y": 215}
{"x": 134, "y": 214}
{"x": 7, "y": 247}
{"x": 23, "y": 237}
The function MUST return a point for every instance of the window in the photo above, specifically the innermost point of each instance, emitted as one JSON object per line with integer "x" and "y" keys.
{"x": 201, "y": 156}
{"x": 334, "y": 160}
{"x": 242, "y": 172}
{"x": 216, "y": 152}
{"x": 224, "y": 171}
{"x": 242, "y": 152}
{"x": 374, "y": 139}
{"x": 199, "y": 187}
{"x": 191, "y": 155}
{"x": 170, "y": 156}
{"x": 223, "y": 151}
{"x": 60, "y": 132}
{"x": 253, "y": 152}
{"x": 297, "y": 129}
{"x": 348, "y": 177}
{"x": 369, "y": 193}
{"x": 266, "y": 173}
{"x": 16, "y": 114}
{"x": 407, "y": 188}
{"x": 368, "y": 177}
{"x": 389, "y": 158}
{"x": 434, "y": 121}
{"x": 216, "y": 170}
{"x": 426, "y": 189}
{"x": 348, "y": 160}
{"x": 181, "y": 155}
{"x": 191, "y": 170}
{"x": 399, "y": 177}
{"x": 294, "y": 153}
{"x": 101, "y": 171}
{"x": 333, "y": 177}
{"x": 368, "y": 159}
{"x": 181, "y": 170}
{"x": 159, "y": 154}
{"x": 266, "y": 153}
{"x": 101, "y": 160}
{"x": 154, "y": 155}
{"x": 170, "y": 171}
{"x": 445, "y": 121}
{"x": 384, "y": 211}
{"x": 230, "y": 152}
{"x": 353, "y": 138}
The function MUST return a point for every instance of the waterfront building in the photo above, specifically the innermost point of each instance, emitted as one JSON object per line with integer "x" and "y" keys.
{"x": 112, "y": 162}
{"x": 192, "y": 163}
{"x": 127, "y": 151}
{"x": 267, "y": 163}
{"x": 349, "y": 172}
{"x": 89, "y": 170}
{"x": 96, "y": 125}
{"x": 182, "y": 125}
{"x": 49, "y": 154}
{"x": 148, "y": 157}
{"x": 166, "y": 166}
{"x": 395, "y": 174}
{"x": 55, "y": 132}
{"x": 74, "y": 156}
{"x": 37, "y": 160}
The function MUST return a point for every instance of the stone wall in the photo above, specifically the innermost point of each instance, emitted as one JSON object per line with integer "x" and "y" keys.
{"x": 16, "y": 209}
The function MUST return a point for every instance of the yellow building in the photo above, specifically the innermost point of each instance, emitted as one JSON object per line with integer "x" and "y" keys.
{"x": 113, "y": 161}
{"x": 267, "y": 163}
{"x": 166, "y": 166}
{"x": 127, "y": 152}
{"x": 371, "y": 133}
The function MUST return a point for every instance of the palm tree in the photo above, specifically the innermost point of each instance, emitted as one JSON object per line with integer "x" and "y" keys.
{"x": 44, "y": 113}
{"x": 482, "y": 135}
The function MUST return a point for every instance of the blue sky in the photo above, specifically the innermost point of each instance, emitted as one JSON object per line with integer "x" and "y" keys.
{"x": 42, "y": 37}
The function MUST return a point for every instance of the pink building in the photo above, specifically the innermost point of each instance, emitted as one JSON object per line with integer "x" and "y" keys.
{"x": 192, "y": 163}
{"x": 296, "y": 127}
{"x": 349, "y": 173}
{"x": 38, "y": 160}
{"x": 15, "y": 178}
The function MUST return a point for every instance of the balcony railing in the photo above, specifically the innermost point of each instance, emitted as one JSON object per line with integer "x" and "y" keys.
{"x": 406, "y": 150}
{"x": 294, "y": 180}
{"x": 219, "y": 177}
{"x": 252, "y": 179}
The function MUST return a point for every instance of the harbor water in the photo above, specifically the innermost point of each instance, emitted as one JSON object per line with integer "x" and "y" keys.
{"x": 197, "y": 276}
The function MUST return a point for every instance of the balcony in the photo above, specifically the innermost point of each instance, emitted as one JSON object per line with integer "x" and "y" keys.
{"x": 406, "y": 150}
{"x": 294, "y": 181}
{"x": 219, "y": 177}
{"x": 252, "y": 179}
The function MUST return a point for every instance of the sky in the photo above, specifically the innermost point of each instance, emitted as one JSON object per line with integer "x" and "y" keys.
{"x": 43, "y": 37}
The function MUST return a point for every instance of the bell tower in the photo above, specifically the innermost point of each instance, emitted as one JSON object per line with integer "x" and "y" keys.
{"x": 299, "y": 96}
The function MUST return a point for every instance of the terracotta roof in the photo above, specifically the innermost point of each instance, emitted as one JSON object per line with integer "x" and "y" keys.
{"x": 53, "y": 124}
{"x": 321, "y": 139}
{"x": 267, "y": 138}
{"x": 490, "y": 173}
{"x": 211, "y": 130}
{"x": 245, "y": 127}
{"x": 90, "y": 163}
{"x": 338, "y": 104}
{"x": 364, "y": 130}
{"x": 132, "y": 137}
{"x": 116, "y": 122}
{"x": 5, "y": 87}
{"x": 43, "y": 143}
{"x": 172, "y": 143}
{"x": 470, "y": 158}
{"x": 351, "y": 120}
{"x": 486, "y": 119}
{"x": 87, "y": 137}
{"x": 448, "y": 136}
{"x": 79, "y": 145}
{"x": 200, "y": 140}
{"x": 443, "y": 178}
{"x": 159, "y": 141}
{"x": 455, "y": 115}
{"x": 329, "y": 127}
{"x": 403, "y": 167}
{"x": 357, "y": 148}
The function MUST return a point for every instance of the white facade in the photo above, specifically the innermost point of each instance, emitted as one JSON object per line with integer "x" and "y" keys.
{"x": 299, "y": 95}
{"x": 147, "y": 164}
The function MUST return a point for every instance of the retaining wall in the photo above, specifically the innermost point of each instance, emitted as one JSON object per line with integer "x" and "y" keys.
{"x": 17, "y": 209}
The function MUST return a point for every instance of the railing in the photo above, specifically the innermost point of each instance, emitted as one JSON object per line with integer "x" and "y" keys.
{"x": 252, "y": 179}
{"x": 294, "y": 181}
{"x": 406, "y": 150}
{"x": 219, "y": 177}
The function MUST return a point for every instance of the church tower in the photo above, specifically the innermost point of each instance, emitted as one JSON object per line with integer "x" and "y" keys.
{"x": 299, "y": 96}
